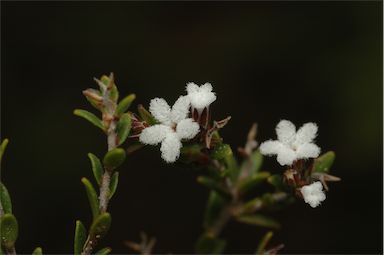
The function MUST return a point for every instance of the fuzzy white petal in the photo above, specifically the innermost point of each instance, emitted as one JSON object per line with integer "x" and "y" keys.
{"x": 201, "y": 97}
{"x": 286, "y": 131}
{"x": 187, "y": 129}
{"x": 307, "y": 133}
{"x": 270, "y": 147}
{"x": 170, "y": 147}
{"x": 180, "y": 109}
{"x": 160, "y": 110}
{"x": 313, "y": 194}
{"x": 286, "y": 156}
{"x": 154, "y": 134}
{"x": 308, "y": 150}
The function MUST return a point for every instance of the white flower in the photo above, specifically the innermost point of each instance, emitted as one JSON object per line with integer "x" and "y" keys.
{"x": 201, "y": 97}
{"x": 292, "y": 145}
{"x": 313, "y": 194}
{"x": 174, "y": 126}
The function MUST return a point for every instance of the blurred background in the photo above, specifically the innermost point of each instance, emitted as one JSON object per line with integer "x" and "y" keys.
{"x": 302, "y": 61}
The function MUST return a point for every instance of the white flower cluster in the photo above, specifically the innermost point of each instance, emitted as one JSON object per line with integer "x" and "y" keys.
{"x": 313, "y": 194}
{"x": 174, "y": 122}
{"x": 292, "y": 145}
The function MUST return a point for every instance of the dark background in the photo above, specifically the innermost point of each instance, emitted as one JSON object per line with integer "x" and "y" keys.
{"x": 303, "y": 61}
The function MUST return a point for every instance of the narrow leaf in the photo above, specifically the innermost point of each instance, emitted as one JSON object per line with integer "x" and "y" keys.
{"x": 114, "y": 158}
{"x": 90, "y": 117}
{"x": 210, "y": 245}
{"x": 251, "y": 182}
{"x": 37, "y": 251}
{"x": 259, "y": 220}
{"x": 256, "y": 160}
{"x": 264, "y": 242}
{"x": 80, "y": 237}
{"x": 100, "y": 225}
{"x": 214, "y": 185}
{"x": 146, "y": 116}
{"x": 223, "y": 152}
{"x": 3, "y": 146}
{"x": 110, "y": 83}
{"x": 104, "y": 251}
{"x": 92, "y": 197}
{"x": 9, "y": 230}
{"x": 123, "y": 127}
{"x": 323, "y": 163}
{"x": 124, "y": 104}
{"x": 5, "y": 199}
{"x": 214, "y": 207}
{"x": 113, "y": 184}
{"x": 97, "y": 168}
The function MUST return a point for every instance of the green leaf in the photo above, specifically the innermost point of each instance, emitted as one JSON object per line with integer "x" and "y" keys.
{"x": 256, "y": 160}
{"x": 323, "y": 163}
{"x": 124, "y": 104}
{"x": 100, "y": 225}
{"x": 264, "y": 242}
{"x": 92, "y": 197}
{"x": 5, "y": 199}
{"x": 97, "y": 168}
{"x": 104, "y": 251}
{"x": 223, "y": 153}
{"x": 214, "y": 207}
{"x": 9, "y": 230}
{"x": 114, "y": 93}
{"x": 94, "y": 97}
{"x": 113, "y": 184}
{"x": 37, "y": 251}
{"x": 146, "y": 116}
{"x": 123, "y": 127}
{"x": 276, "y": 181}
{"x": 80, "y": 237}
{"x": 210, "y": 245}
{"x": 3, "y": 146}
{"x": 251, "y": 182}
{"x": 90, "y": 117}
{"x": 258, "y": 220}
{"x": 214, "y": 185}
{"x": 114, "y": 158}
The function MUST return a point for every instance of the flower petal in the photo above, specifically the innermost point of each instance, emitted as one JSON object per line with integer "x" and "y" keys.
{"x": 170, "y": 147}
{"x": 308, "y": 150}
{"x": 154, "y": 134}
{"x": 286, "y": 156}
{"x": 313, "y": 194}
{"x": 270, "y": 147}
{"x": 306, "y": 133}
{"x": 192, "y": 87}
{"x": 286, "y": 131}
{"x": 187, "y": 129}
{"x": 180, "y": 109}
{"x": 160, "y": 110}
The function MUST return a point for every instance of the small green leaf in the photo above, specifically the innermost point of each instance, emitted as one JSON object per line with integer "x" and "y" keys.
{"x": 5, "y": 199}
{"x": 92, "y": 197}
{"x": 113, "y": 184}
{"x": 114, "y": 158}
{"x": 251, "y": 182}
{"x": 124, "y": 104}
{"x": 114, "y": 93}
{"x": 37, "y": 251}
{"x": 146, "y": 116}
{"x": 104, "y": 251}
{"x": 276, "y": 181}
{"x": 80, "y": 237}
{"x": 323, "y": 163}
{"x": 9, "y": 230}
{"x": 3, "y": 146}
{"x": 223, "y": 153}
{"x": 90, "y": 117}
{"x": 259, "y": 220}
{"x": 256, "y": 160}
{"x": 214, "y": 207}
{"x": 214, "y": 185}
{"x": 94, "y": 97}
{"x": 264, "y": 242}
{"x": 100, "y": 225}
{"x": 97, "y": 168}
{"x": 123, "y": 127}
{"x": 210, "y": 245}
